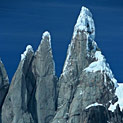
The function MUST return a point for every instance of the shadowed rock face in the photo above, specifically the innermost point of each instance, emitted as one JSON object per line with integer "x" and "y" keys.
{"x": 4, "y": 83}
{"x": 83, "y": 93}
{"x": 100, "y": 114}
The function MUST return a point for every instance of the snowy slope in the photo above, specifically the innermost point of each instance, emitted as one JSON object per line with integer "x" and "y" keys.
{"x": 119, "y": 94}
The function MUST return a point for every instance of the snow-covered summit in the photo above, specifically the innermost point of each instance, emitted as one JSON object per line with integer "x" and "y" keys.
{"x": 28, "y": 49}
{"x": 85, "y": 23}
{"x": 46, "y": 37}
{"x": 101, "y": 65}
{"x": 46, "y": 34}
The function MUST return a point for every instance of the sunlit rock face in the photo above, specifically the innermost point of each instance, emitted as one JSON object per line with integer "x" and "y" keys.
{"x": 85, "y": 92}
{"x": 44, "y": 71}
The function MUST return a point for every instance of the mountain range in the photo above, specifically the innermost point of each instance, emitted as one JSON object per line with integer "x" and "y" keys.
{"x": 85, "y": 92}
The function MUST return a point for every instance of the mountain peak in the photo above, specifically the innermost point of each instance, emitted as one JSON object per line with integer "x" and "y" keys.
{"x": 85, "y": 92}
{"x": 46, "y": 37}
{"x": 28, "y": 49}
{"x": 85, "y": 23}
{"x": 46, "y": 34}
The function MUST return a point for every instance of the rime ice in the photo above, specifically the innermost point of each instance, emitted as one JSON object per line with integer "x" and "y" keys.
{"x": 28, "y": 48}
{"x": 85, "y": 23}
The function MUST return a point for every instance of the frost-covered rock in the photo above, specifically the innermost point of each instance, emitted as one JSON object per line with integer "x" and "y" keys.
{"x": 119, "y": 94}
{"x": 101, "y": 65}
{"x": 28, "y": 49}
{"x": 85, "y": 23}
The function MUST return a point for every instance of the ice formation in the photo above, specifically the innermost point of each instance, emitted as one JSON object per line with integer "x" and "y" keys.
{"x": 101, "y": 65}
{"x": 28, "y": 48}
{"x": 85, "y": 23}
{"x": 46, "y": 34}
{"x": 94, "y": 104}
{"x": 119, "y": 94}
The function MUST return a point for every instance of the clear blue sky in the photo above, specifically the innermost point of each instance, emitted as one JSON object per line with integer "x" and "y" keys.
{"x": 22, "y": 22}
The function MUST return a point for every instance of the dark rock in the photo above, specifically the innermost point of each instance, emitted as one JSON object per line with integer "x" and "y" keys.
{"x": 114, "y": 100}
{"x": 96, "y": 114}
{"x": 4, "y": 83}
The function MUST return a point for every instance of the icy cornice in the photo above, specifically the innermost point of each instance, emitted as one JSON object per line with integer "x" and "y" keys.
{"x": 85, "y": 23}
{"x": 46, "y": 34}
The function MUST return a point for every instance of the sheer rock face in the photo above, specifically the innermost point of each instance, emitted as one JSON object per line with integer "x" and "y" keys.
{"x": 44, "y": 72}
{"x": 32, "y": 94}
{"x": 84, "y": 93}
{"x": 4, "y": 83}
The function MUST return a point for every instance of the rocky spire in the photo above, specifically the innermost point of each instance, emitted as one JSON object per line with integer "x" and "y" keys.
{"x": 82, "y": 41}
{"x": 86, "y": 77}
{"x": 44, "y": 71}
{"x": 15, "y": 107}
{"x": 44, "y": 55}
{"x": 85, "y": 91}
{"x": 32, "y": 94}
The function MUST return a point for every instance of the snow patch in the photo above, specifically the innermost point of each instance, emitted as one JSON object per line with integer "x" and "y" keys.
{"x": 101, "y": 65}
{"x": 119, "y": 94}
{"x": 45, "y": 35}
{"x": 94, "y": 104}
{"x": 81, "y": 92}
{"x": 85, "y": 23}
{"x": 1, "y": 60}
{"x": 67, "y": 61}
{"x": 28, "y": 49}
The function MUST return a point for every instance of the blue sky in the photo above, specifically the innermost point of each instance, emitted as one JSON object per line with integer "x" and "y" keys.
{"x": 22, "y": 22}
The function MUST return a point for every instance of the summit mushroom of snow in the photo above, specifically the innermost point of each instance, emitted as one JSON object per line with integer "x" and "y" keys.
{"x": 46, "y": 34}
{"x": 28, "y": 49}
{"x": 85, "y": 23}
{"x": 46, "y": 37}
